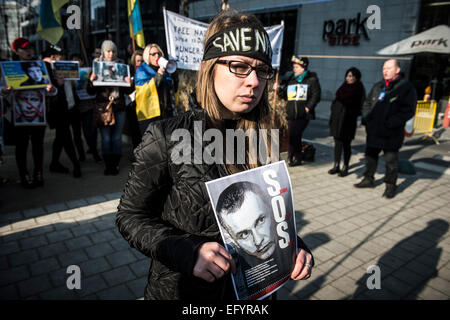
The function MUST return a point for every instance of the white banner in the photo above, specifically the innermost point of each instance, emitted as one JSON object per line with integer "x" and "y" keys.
{"x": 184, "y": 38}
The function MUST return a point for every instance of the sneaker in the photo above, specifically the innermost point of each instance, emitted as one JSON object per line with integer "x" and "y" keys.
{"x": 58, "y": 168}
{"x": 365, "y": 183}
{"x": 295, "y": 162}
{"x": 27, "y": 182}
{"x": 389, "y": 192}
{"x": 344, "y": 171}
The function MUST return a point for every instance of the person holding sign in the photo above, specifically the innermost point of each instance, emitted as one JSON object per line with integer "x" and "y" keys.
{"x": 29, "y": 105}
{"x": 112, "y": 134}
{"x": 302, "y": 91}
{"x": 165, "y": 211}
{"x": 154, "y": 89}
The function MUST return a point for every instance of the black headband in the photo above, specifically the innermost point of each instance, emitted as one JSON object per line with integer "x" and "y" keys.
{"x": 244, "y": 39}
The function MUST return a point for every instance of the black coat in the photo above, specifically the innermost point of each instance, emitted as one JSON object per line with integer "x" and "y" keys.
{"x": 385, "y": 119}
{"x": 295, "y": 109}
{"x": 344, "y": 113}
{"x": 165, "y": 213}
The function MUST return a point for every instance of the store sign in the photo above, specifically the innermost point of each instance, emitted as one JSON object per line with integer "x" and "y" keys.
{"x": 345, "y": 32}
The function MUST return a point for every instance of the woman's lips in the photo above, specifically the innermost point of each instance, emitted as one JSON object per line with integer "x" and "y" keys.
{"x": 247, "y": 98}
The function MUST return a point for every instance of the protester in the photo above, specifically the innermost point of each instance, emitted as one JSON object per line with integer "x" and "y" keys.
{"x": 345, "y": 110}
{"x": 132, "y": 124}
{"x": 59, "y": 119}
{"x": 389, "y": 105}
{"x": 85, "y": 107}
{"x": 165, "y": 210}
{"x": 154, "y": 89}
{"x": 23, "y": 50}
{"x": 111, "y": 135}
{"x": 302, "y": 91}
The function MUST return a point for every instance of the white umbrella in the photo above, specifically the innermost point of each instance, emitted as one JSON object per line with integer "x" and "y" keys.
{"x": 435, "y": 40}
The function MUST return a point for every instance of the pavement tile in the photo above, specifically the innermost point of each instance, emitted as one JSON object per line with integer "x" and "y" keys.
{"x": 76, "y": 203}
{"x": 14, "y": 275}
{"x": 52, "y": 250}
{"x": 102, "y": 236}
{"x": 94, "y": 266}
{"x": 44, "y": 266}
{"x": 99, "y": 250}
{"x": 121, "y": 258}
{"x": 428, "y": 293}
{"x": 60, "y": 293}
{"x": 141, "y": 267}
{"x": 34, "y": 212}
{"x": 440, "y": 284}
{"x": 117, "y": 293}
{"x": 119, "y": 275}
{"x": 9, "y": 247}
{"x": 33, "y": 286}
{"x": 91, "y": 285}
{"x": 33, "y": 242}
{"x": 96, "y": 199}
{"x": 60, "y": 235}
{"x": 41, "y": 230}
{"x": 137, "y": 286}
{"x": 84, "y": 229}
{"x": 23, "y": 257}
{"x": 9, "y": 292}
{"x": 57, "y": 207}
{"x": 72, "y": 258}
{"x": 78, "y": 243}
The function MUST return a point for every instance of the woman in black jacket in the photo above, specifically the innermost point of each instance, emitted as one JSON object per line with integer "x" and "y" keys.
{"x": 165, "y": 210}
{"x": 302, "y": 91}
{"x": 345, "y": 109}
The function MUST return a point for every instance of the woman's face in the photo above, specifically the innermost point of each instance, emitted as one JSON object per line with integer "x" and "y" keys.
{"x": 138, "y": 61}
{"x": 29, "y": 102}
{"x": 154, "y": 55}
{"x": 238, "y": 94}
{"x": 109, "y": 55}
{"x": 298, "y": 69}
{"x": 35, "y": 73}
{"x": 350, "y": 78}
{"x": 25, "y": 54}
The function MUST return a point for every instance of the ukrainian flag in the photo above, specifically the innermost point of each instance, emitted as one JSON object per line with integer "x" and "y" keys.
{"x": 134, "y": 17}
{"x": 49, "y": 25}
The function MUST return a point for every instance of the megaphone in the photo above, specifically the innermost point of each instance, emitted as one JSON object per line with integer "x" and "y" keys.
{"x": 169, "y": 65}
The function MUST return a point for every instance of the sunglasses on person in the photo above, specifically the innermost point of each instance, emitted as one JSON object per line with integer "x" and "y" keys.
{"x": 243, "y": 69}
{"x": 156, "y": 53}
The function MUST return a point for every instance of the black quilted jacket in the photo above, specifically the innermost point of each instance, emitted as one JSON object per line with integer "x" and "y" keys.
{"x": 165, "y": 214}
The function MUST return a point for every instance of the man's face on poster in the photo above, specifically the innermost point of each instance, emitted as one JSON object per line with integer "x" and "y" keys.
{"x": 251, "y": 227}
{"x": 29, "y": 102}
{"x": 35, "y": 73}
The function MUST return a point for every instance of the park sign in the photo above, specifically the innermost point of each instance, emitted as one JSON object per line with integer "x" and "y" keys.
{"x": 185, "y": 36}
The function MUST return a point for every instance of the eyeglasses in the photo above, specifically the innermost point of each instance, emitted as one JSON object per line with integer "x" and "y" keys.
{"x": 156, "y": 53}
{"x": 243, "y": 69}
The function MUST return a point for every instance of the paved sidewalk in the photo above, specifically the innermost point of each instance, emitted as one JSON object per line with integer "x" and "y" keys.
{"x": 347, "y": 229}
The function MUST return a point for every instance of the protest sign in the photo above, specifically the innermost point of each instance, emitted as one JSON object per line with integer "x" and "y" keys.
{"x": 255, "y": 213}
{"x": 67, "y": 70}
{"x": 185, "y": 37}
{"x": 29, "y": 107}
{"x": 25, "y": 74}
{"x": 81, "y": 85}
{"x": 111, "y": 74}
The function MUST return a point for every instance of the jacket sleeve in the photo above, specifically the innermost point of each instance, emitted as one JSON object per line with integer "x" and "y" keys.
{"x": 367, "y": 106}
{"x": 303, "y": 246}
{"x": 315, "y": 94}
{"x": 139, "y": 216}
{"x": 405, "y": 111}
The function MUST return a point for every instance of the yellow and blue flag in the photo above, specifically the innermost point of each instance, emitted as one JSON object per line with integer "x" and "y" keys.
{"x": 134, "y": 17}
{"x": 49, "y": 24}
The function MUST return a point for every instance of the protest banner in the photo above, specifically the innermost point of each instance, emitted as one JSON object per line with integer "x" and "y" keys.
{"x": 67, "y": 70}
{"x": 29, "y": 107}
{"x": 81, "y": 84}
{"x": 111, "y": 74}
{"x": 255, "y": 213}
{"x": 184, "y": 38}
{"x": 25, "y": 74}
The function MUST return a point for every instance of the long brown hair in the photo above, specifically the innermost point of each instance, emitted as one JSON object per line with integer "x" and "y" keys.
{"x": 258, "y": 118}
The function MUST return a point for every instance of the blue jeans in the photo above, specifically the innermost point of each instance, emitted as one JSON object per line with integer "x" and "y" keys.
{"x": 112, "y": 135}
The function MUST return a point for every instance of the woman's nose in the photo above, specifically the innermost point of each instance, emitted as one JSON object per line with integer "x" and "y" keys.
{"x": 252, "y": 79}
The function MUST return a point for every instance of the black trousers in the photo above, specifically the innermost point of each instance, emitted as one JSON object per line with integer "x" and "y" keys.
{"x": 75, "y": 123}
{"x": 63, "y": 140}
{"x": 89, "y": 130}
{"x": 342, "y": 145}
{"x": 391, "y": 159}
{"x": 23, "y": 135}
{"x": 296, "y": 128}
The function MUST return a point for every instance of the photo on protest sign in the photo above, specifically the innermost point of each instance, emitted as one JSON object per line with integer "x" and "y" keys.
{"x": 111, "y": 74}
{"x": 81, "y": 84}
{"x": 25, "y": 74}
{"x": 29, "y": 107}
{"x": 67, "y": 70}
{"x": 255, "y": 213}
{"x": 298, "y": 92}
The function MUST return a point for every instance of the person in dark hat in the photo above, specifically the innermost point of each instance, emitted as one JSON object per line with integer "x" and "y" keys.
{"x": 302, "y": 91}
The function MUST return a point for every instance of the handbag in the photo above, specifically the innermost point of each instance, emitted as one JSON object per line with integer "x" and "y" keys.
{"x": 104, "y": 114}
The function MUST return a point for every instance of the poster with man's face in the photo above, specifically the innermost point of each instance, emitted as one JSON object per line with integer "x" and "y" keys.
{"x": 255, "y": 213}
{"x": 29, "y": 107}
{"x": 25, "y": 74}
{"x": 111, "y": 74}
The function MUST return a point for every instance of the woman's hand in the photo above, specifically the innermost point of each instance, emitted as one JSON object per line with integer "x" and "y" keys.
{"x": 7, "y": 90}
{"x": 127, "y": 80}
{"x": 276, "y": 86}
{"x": 161, "y": 70}
{"x": 307, "y": 109}
{"x": 50, "y": 88}
{"x": 213, "y": 262}
{"x": 93, "y": 77}
{"x": 303, "y": 266}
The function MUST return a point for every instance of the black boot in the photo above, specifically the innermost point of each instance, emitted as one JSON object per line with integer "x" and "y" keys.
{"x": 26, "y": 181}
{"x": 389, "y": 192}
{"x": 344, "y": 170}
{"x": 115, "y": 159}
{"x": 107, "y": 161}
{"x": 38, "y": 179}
{"x": 96, "y": 156}
{"x": 335, "y": 168}
{"x": 367, "y": 182}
